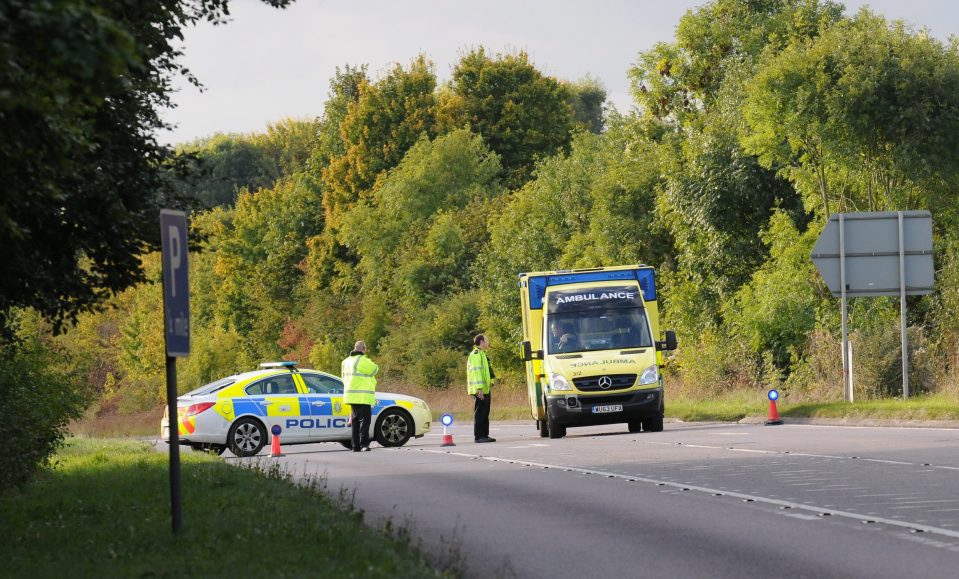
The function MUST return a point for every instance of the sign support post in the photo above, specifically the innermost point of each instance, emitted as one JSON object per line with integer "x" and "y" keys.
{"x": 846, "y": 370}
{"x": 902, "y": 310}
{"x": 176, "y": 323}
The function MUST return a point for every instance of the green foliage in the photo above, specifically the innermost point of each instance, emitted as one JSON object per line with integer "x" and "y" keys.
{"x": 226, "y": 165}
{"x": 776, "y": 310}
{"x": 523, "y": 115}
{"x": 385, "y": 120}
{"x": 424, "y": 225}
{"x": 587, "y": 97}
{"x": 432, "y": 350}
{"x": 83, "y": 174}
{"x": 864, "y": 116}
{"x": 39, "y": 396}
{"x": 325, "y": 357}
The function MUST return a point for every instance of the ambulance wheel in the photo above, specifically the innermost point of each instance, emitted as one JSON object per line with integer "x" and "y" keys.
{"x": 543, "y": 428}
{"x": 394, "y": 427}
{"x": 556, "y": 430}
{"x": 216, "y": 449}
{"x": 347, "y": 444}
{"x": 635, "y": 424}
{"x": 247, "y": 437}
{"x": 653, "y": 423}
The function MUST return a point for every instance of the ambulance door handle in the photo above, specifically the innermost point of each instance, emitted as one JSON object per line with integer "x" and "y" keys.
{"x": 319, "y": 404}
{"x": 266, "y": 402}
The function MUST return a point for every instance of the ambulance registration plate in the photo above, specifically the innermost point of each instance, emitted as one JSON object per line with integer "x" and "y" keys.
{"x": 607, "y": 408}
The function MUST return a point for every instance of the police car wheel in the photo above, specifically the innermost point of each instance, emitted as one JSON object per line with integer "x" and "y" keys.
{"x": 347, "y": 444}
{"x": 247, "y": 437}
{"x": 393, "y": 428}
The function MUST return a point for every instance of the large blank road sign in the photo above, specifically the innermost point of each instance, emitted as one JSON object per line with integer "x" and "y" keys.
{"x": 176, "y": 282}
{"x": 871, "y": 245}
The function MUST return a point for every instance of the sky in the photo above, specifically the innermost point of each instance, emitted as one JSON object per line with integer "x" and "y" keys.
{"x": 267, "y": 64}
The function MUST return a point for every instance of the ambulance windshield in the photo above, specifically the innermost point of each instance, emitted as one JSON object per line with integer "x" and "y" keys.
{"x": 597, "y": 329}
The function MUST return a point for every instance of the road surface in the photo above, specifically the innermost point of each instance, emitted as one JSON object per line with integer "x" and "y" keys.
{"x": 696, "y": 500}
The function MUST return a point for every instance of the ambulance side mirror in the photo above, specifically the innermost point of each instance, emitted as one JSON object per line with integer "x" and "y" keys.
{"x": 669, "y": 343}
{"x": 526, "y": 351}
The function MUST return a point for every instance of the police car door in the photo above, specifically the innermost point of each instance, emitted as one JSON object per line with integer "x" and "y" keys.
{"x": 283, "y": 405}
{"x": 328, "y": 413}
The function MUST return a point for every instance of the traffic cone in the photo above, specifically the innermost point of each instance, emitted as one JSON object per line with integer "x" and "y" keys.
{"x": 774, "y": 418}
{"x": 275, "y": 447}
{"x": 447, "y": 437}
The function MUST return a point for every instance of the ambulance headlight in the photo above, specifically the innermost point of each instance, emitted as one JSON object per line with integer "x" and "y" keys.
{"x": 650, "y": 375}
{"x": 558, "y": 382}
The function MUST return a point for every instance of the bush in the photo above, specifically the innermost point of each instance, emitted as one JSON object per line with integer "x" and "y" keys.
{"x": 38, "y": 398}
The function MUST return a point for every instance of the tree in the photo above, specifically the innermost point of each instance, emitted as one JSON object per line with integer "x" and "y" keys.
{"x": 867, "y": 113}
{"x": 385, "y": 120}
{"x": 587, "y": 97}
{"x": 82, "y": 83}
{"x": 672, "y": 80}
{"x": 523, "y": 115}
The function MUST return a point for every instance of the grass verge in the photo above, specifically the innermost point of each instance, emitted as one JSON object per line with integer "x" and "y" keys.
{"x": 104, "y": 511}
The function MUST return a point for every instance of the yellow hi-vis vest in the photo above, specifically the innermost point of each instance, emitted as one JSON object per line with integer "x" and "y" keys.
{"x": 359, "y": 382}
{"x": 477, "y": 373}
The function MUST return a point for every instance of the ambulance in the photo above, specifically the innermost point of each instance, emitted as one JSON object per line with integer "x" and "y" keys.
{"x": 593, "y": 347}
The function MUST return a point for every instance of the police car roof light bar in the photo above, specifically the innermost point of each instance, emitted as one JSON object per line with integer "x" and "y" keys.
{"x": 285, "y": 364}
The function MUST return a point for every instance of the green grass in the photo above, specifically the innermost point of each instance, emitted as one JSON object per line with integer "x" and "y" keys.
{"x": 104, "y": 511}
{"x": 740, "y": 404}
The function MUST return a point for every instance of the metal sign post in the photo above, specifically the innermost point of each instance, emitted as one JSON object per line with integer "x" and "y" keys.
{"x": 176, "y": 322}
{"x": 846, "y": 370}
{"x": 876, "y": 254}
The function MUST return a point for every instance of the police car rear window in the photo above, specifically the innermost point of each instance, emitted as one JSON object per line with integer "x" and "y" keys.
{"x": 212, "y": 387}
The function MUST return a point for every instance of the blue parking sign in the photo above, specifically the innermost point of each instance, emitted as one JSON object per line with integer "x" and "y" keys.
{"x": 176, "y": 282}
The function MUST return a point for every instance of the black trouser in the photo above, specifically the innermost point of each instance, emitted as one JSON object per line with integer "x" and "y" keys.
{"x": 361, "y": 425}
{"x": 481, "y": 416}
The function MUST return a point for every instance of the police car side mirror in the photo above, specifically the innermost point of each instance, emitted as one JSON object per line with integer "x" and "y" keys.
{"x": 669, "y": 343}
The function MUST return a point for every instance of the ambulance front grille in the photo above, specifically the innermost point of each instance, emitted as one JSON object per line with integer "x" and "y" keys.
{"x": 605, "y": 383}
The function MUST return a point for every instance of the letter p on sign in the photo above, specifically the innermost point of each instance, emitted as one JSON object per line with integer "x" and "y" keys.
{"x": 176, "y": 282}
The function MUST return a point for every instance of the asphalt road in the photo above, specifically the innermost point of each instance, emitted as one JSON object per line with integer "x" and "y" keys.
{"x": 697, "y": 500}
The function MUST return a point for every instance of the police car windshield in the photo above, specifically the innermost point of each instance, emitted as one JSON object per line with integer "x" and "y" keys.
{"x": 212, "y": 387}
{"x": 600, "y": 329}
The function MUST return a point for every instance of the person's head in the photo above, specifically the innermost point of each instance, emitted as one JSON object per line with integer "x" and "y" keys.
{"x": 481, "y": 342}
{"x": 360, "y": 346}
{"x": 556, "y": 329}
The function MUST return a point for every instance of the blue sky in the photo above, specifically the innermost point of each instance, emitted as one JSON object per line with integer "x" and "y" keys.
{"x": 268, "y": 64}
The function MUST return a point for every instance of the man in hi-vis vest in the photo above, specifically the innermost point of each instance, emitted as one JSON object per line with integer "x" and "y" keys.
{"x": 479, "y": 378}
{"x": 359, "y": 391}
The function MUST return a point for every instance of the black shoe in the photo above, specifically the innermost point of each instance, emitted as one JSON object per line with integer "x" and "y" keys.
{"x": 355, "y": 450}
{"x": 485, "y": 439}
{"x": 365, "y": 449}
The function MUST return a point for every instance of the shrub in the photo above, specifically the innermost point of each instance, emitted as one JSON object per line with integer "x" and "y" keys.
{"x": 38, "y": 398}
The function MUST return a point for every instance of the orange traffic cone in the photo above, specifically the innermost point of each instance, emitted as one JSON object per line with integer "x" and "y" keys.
{"x": 447, "y": 438}
{"x": 275, "y": 446}
{"x": 773, "y": 418}
{"x": 447, "y": 421}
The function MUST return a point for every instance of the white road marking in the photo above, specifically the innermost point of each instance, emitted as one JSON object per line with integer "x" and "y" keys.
{"x": 735, "y": 494}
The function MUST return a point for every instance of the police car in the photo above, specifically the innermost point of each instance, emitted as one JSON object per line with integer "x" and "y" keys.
{"x": 239, "y": 412}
